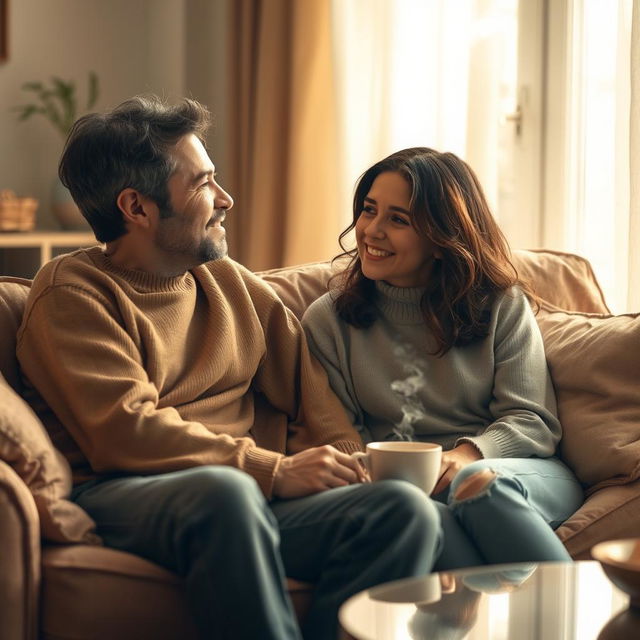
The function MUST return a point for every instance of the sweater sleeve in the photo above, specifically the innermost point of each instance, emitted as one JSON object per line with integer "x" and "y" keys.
{"x": 523, "y": 405}
{"x": 317, "y": 416}
{"x": 327, "y": 344}
{"x": 74, "y": 350}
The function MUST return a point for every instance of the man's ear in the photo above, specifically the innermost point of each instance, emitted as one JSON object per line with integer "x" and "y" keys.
{"x": 137, "y": 210}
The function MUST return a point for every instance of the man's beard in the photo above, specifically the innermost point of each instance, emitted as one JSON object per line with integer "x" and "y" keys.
{"x": 210, "y": 250}
{"x": 175, "y": 243}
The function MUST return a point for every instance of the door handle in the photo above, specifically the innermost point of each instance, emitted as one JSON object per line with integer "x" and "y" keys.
{"x": 516, "y": 118}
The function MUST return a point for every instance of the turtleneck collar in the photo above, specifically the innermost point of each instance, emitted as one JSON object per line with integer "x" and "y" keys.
{"x": 400, "y": 305}
{"x": 141, "y": 280}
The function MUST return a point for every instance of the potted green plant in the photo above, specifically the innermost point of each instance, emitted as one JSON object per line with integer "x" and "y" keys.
{"x": 58, "y": 102}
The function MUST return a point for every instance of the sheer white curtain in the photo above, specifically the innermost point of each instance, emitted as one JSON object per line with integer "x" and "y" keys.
{"x": 432, "y": 73}
{"x": 407, "y": 72}
{"x": 598, "y": 219}
{"x": 633, "y": 238}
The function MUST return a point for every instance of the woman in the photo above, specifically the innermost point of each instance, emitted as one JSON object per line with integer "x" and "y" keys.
{"x": 430, "y": 336}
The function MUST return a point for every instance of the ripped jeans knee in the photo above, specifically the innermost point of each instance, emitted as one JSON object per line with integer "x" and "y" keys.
{"x": 473, "y": 482}
{"x": 475, "y": 486}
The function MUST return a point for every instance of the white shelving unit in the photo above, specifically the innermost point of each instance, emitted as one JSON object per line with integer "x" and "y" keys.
{"x": 23, "y": 253}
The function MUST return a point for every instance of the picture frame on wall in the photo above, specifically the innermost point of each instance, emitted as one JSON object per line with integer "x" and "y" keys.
{"x": 4, "y": 30}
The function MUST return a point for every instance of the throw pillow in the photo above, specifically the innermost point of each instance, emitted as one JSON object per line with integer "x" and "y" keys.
{"x": 13, "y": 297}
{"x": 594, "y": 362}
{"x": 26, "y": 447}
{"x": 563, "y": 281}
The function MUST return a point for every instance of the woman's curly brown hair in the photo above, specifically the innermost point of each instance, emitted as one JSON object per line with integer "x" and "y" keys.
{"x": 473, "y": 265}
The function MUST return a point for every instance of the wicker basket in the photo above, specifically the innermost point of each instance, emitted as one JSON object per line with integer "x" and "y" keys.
{"x": 17, "y": 214}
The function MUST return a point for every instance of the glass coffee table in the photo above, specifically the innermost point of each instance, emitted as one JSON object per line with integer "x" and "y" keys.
{"x": 545, "y": 601}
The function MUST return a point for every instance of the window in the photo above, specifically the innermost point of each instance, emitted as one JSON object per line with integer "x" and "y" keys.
{"x": 533, "y": 94}
{"x": 431, "y": 73}
{"x": 587, "y": 192}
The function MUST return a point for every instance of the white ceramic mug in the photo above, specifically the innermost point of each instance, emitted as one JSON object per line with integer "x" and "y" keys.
{"x": 415, "y": 462}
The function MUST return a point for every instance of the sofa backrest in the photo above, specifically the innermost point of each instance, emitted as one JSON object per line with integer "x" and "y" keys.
{"x": 563, "y": 281}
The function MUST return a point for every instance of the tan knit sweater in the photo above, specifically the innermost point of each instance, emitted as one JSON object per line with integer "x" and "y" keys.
{"x": 142, "y": 374}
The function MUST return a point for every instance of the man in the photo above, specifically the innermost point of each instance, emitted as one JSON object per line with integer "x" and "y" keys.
{"x": 201, "y": 432}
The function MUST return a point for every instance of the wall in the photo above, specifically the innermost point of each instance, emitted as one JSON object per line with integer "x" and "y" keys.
{"x": 134, "y": 46}
{"x": 206, "y": 70}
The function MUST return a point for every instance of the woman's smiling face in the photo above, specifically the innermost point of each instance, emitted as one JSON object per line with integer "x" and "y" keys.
{"x": 389, "y": 247}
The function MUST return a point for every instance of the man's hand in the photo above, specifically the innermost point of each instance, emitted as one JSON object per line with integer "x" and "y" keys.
{"x": 315, "y": 470}
{"x": 452, "y": 462}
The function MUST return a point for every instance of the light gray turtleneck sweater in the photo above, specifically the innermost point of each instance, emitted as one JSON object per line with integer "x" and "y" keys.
{"x": 495, "y": 393}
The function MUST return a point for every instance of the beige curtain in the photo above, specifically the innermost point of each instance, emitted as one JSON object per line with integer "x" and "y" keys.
{"x": 282, "y": 133}
{"x": 633, "y": 299}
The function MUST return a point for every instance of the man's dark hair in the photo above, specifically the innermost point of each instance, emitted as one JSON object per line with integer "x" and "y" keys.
{"x": 127, "y": 147}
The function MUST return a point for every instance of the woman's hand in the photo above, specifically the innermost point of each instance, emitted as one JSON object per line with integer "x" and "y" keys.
{"x": 454, "y": 460}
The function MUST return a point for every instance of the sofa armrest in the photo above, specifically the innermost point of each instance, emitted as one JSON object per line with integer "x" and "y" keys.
{"x": 19, "y": 558}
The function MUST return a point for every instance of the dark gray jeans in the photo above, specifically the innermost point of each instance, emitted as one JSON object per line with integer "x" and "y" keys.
{"x": 212, "y": 526}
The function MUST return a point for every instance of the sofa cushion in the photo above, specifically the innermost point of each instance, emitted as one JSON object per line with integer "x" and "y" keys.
{"x": 563, "y": 281}
{"x": 594, "y": 362}
{"x": 13, "y": 296}
{"x": 611, "y": 512}
{"x": 26, "y": 447}
{"x": 105, "y": 594}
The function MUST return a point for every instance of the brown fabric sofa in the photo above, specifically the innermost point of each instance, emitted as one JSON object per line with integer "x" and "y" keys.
{"x": 56, "y": 581}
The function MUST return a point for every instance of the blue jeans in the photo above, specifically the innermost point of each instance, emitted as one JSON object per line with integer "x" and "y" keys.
{"x": 212, "y": 526}
{"x": 512, "y": 518}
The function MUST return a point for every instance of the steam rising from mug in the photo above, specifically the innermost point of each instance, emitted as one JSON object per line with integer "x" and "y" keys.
{"x": 408, "y": 389}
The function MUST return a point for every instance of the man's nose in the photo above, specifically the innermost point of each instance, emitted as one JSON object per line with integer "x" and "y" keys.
{"x": 223, "y": 200}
